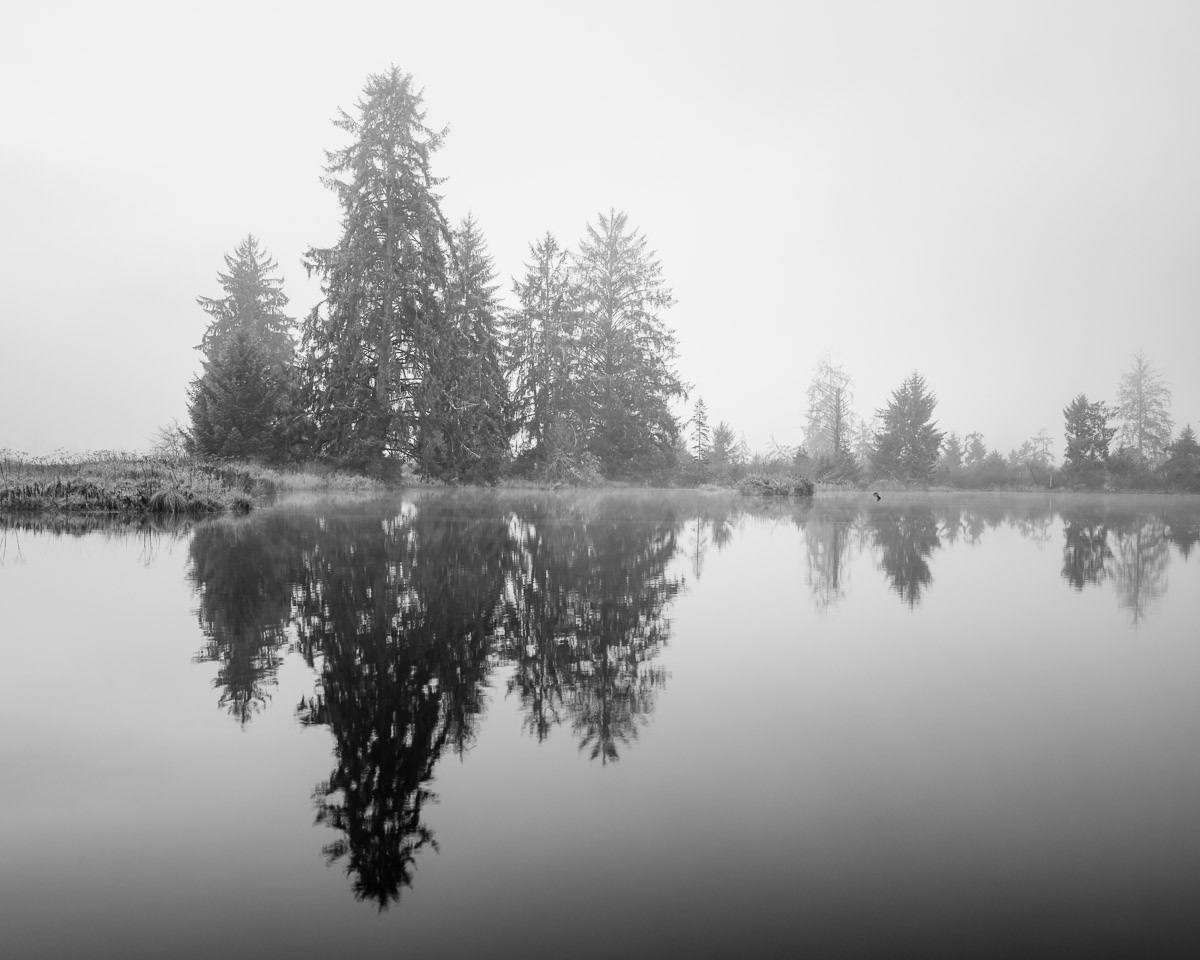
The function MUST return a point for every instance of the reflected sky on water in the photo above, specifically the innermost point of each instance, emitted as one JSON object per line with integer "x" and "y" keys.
{"x": 626, "y": 722}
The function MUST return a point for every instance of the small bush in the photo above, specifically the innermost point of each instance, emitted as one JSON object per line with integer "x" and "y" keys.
{"x": 758, "y": 485}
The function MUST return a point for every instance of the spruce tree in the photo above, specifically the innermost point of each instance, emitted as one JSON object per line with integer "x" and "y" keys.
{"x": 906, "y": 446}
{"x": 242, "y": 405}
{"x": 627, "y": 377}
{"x": 542, "y": 356}
{"x": 369, "y": 345}
{"x": 464, "y": 426}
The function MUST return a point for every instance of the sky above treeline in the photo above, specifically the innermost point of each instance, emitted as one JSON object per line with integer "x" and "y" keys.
{"x": 1001, "y": 196}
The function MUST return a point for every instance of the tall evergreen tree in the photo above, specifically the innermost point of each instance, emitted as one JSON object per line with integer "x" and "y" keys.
{"x": 1143, "y": 404}
{"x": 542, "y": 357}
{"x": 242, "y": 404}
{"x": 464, "y": 428}
{"x": 1088, "y": 435}
{"x": 906, "y": 446}
{"x": 700, "y": 431}
{"x": 368, "y": 346}
{"x": 627, "y": 351}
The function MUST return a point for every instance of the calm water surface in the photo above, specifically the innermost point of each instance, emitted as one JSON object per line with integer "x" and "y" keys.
{"x": 612, "y": 724}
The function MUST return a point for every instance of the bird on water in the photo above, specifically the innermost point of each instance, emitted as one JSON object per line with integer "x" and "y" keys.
{"x": 877, "y": 496}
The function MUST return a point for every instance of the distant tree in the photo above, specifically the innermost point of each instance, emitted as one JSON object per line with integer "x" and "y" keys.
{"x": 700, "y": 431}
{"x": 627, "y": 376}
{"x": 1143, "y": 405}
{"x": 241, "y": 405}
{"x": 1042, "y": 444}
{"x": 368, "y": 346}
{"x": 994, "y": 471}
{"x": 949, "y": 468}
{"x": 726, "y": 450}
{"x": 906, "y": 447}
{"x": 975, "y": 450}
{"x": 1182, "y": 468}
{"x": 543, "y": 347}
{"x": 1088, "y": 435}
{"x": 829, "y": 419}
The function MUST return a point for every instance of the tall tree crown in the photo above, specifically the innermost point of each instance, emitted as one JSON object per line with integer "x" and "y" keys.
{"x": 253, "y": 304}
{"x": 368, "y": 346}
{"x": 1143, "y": 405}
{"x": 627, "y": 351}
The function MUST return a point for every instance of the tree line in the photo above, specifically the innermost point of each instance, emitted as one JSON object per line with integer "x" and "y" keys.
{"x": 1128, "y": 445}
{"x": 411, "y": 359}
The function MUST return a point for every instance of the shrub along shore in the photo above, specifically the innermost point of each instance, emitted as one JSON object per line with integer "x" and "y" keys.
{"x": 170, "y": 486}
{"x": 129, "y": 484}
{"x": 121, "y": 483}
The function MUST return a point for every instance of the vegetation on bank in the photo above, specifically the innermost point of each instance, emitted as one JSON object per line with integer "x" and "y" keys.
{"x": 127, "y": 484}
{"x": 157, "y": 485}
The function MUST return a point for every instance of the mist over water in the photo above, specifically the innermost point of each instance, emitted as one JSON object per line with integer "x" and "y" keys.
{"x": 637, "y": 723}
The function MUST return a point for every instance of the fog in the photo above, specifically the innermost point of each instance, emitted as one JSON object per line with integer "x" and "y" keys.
{"x": 1002, "y": 197}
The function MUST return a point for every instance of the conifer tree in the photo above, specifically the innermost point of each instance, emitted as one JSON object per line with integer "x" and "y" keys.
{"x": 464, "y": 426}
{"x": 1088, "y": 435}
{"x": 906, "y": 447}
{"x": 241, "y": 406}
{"x": 1144, "y": 403}
{"x": 700, "y": 432}
{"x": 627, "y": 377}
{"x": 1182, "y": 468}
{"x": 542, "y": 356}
{"x": 369, "y": 346}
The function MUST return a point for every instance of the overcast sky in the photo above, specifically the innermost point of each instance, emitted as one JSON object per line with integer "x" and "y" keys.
{"x": 1002, "y": 196}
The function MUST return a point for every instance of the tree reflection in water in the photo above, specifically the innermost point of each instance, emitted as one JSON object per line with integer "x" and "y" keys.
{"x": 403, "y": 615}
{"x": 1140, "y": 565}
{"x": 239, "y": 572}
{"x": 906, "y": 537}
{"x": 1086, "y": 552}
{"x": 403, "y": 619}
{"x": 396, "y": 617}
{"x": 584, "y": 616}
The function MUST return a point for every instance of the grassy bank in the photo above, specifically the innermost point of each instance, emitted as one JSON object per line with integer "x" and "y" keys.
{"x": 128, "y": 484}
